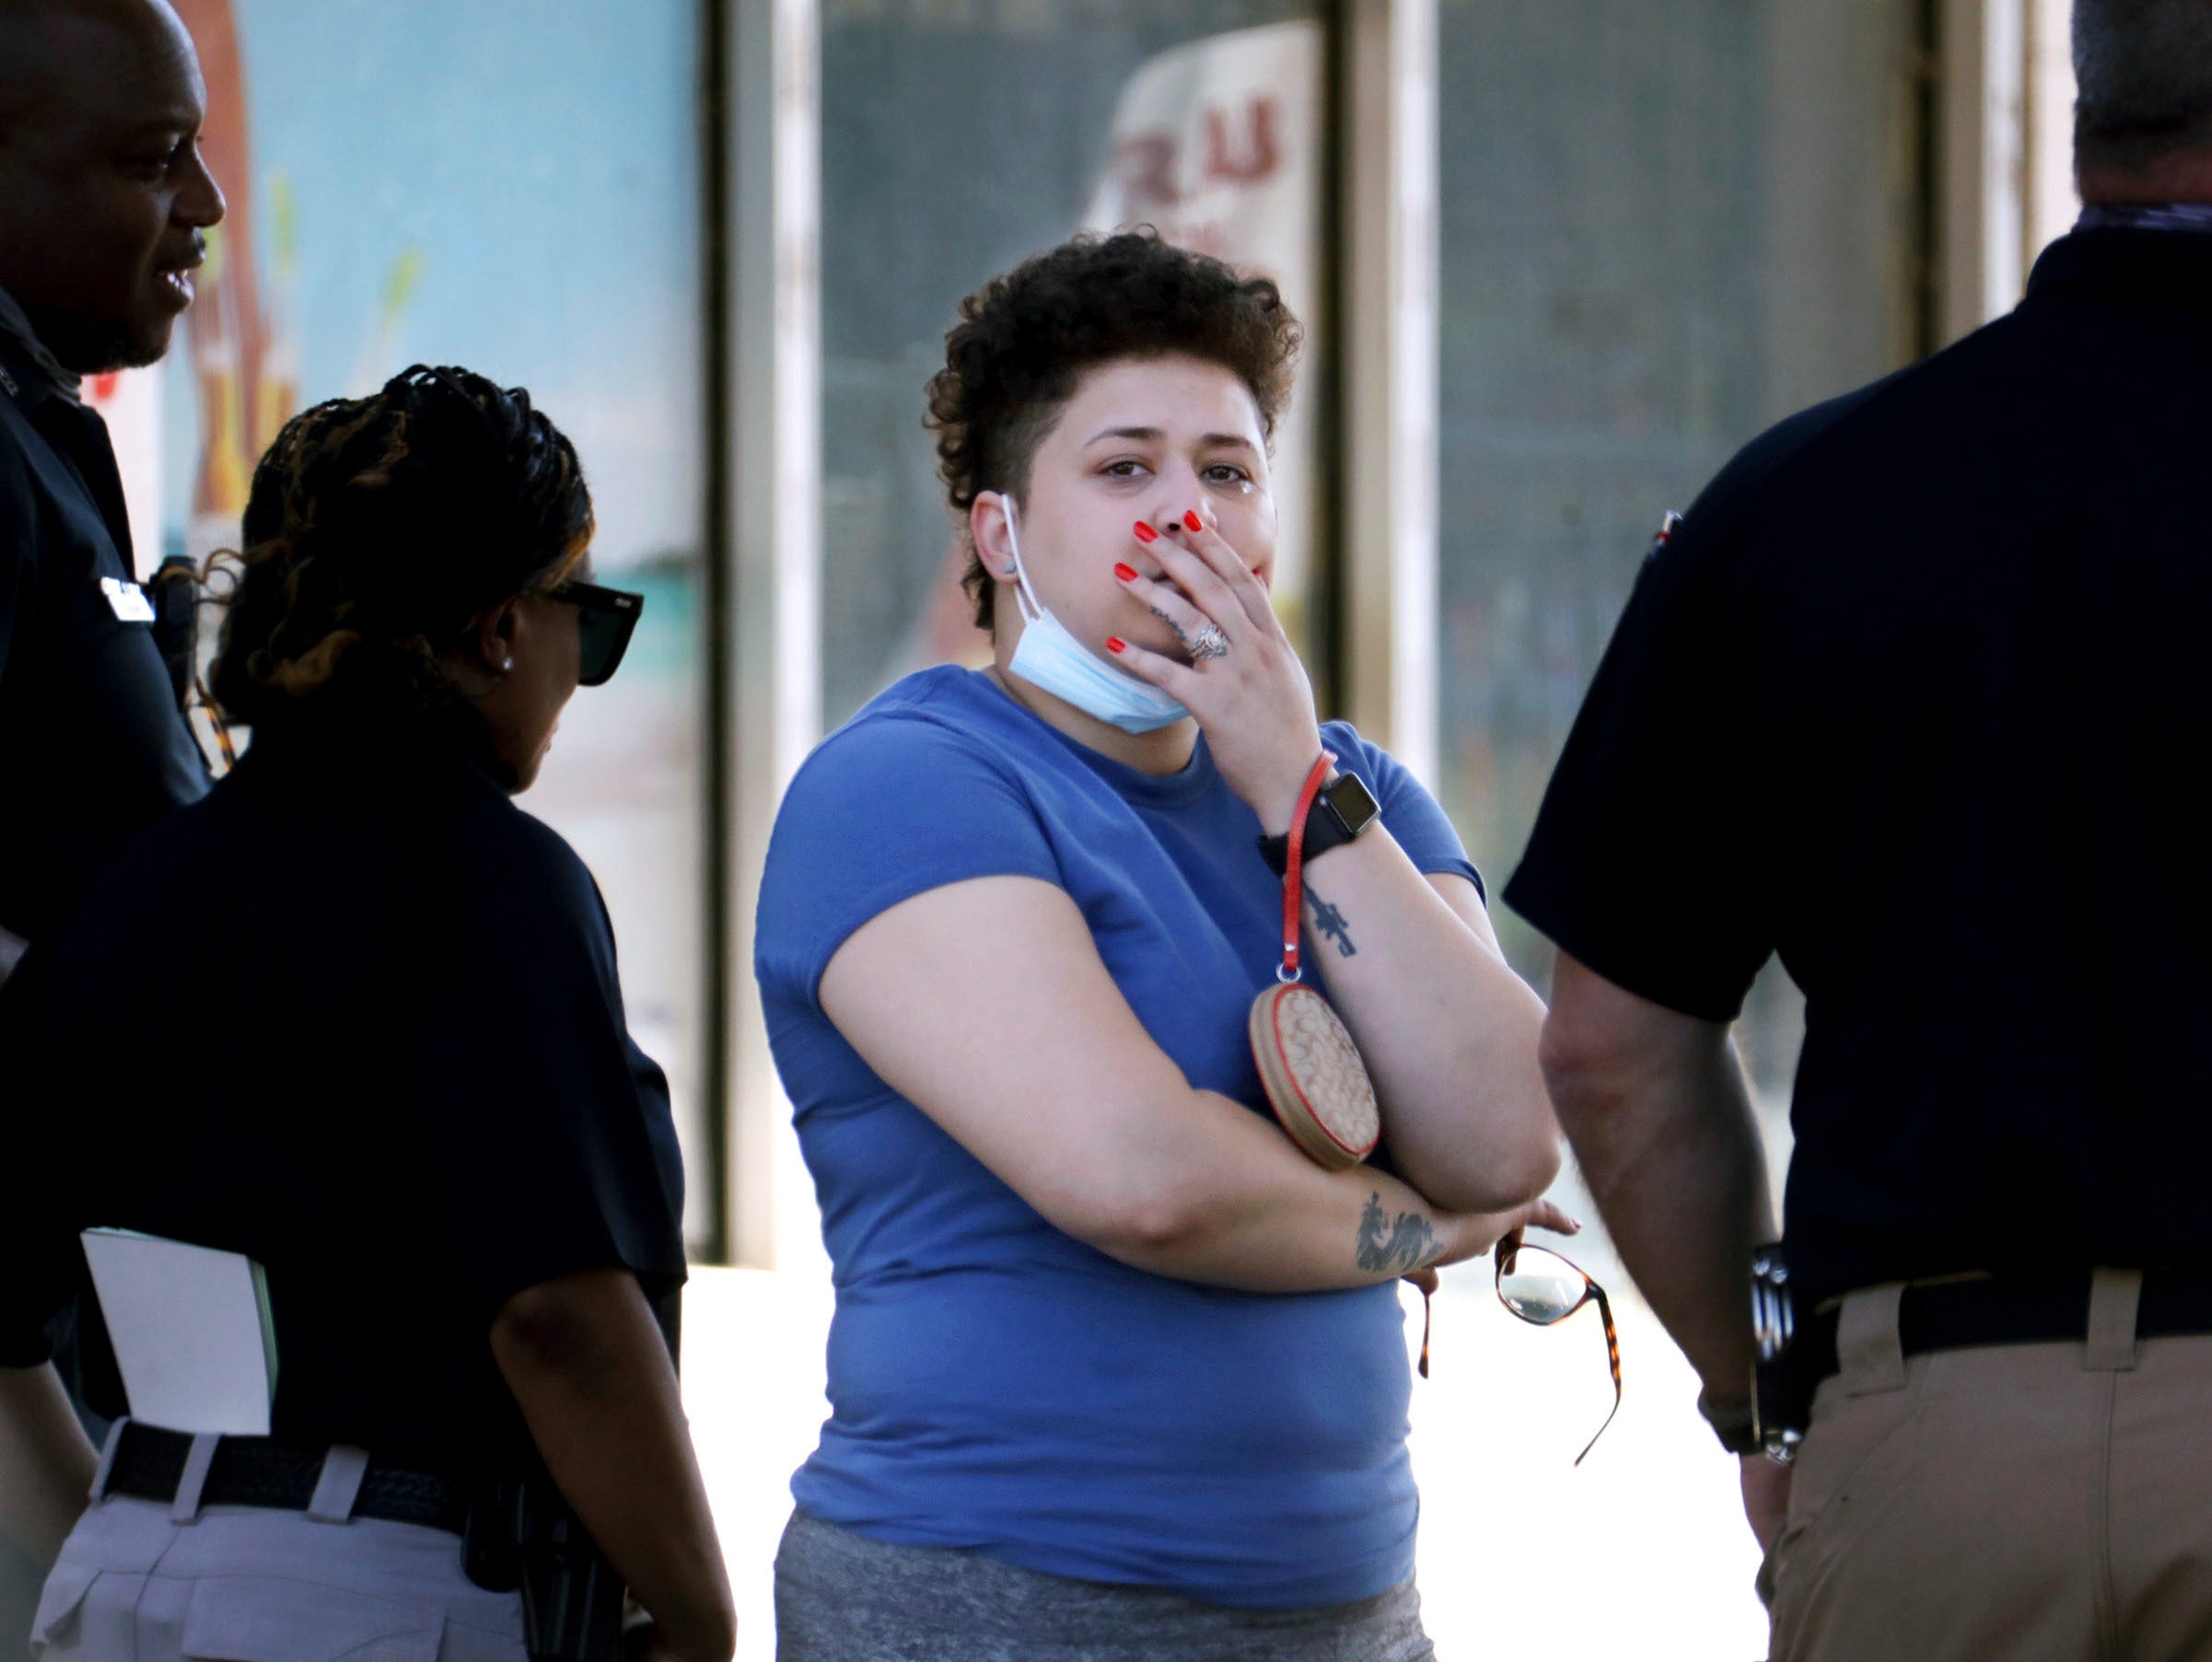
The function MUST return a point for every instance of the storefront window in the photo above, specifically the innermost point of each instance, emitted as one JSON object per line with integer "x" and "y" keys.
{"x": 516, "y": 190}
{"x": 1665, "y": 227}
{"x": 960, "y": 137}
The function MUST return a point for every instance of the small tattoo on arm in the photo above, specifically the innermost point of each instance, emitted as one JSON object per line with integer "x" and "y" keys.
{"x": 1331, "y": 924}
{"x": 1404, "y": 1246}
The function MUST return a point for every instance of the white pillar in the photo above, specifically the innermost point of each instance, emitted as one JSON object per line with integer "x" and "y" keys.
{"x": 2048, "y": 178}
{"x": 1389, "y": 418}
{"x": 2007, "y": 149}
{"x": 775, "y": 535}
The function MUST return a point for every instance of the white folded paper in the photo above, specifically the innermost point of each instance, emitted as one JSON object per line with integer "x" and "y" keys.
{"x": 192, "y": 1332}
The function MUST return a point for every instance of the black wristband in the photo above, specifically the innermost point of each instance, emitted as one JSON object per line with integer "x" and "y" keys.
{"x": 1339, "y": 813}
{"x": 1735, "y": 1427}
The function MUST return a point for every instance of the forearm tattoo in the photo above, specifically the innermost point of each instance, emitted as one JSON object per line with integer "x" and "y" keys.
{"x": 1399, "y": 1248}
{"x": 1332, "y": 925}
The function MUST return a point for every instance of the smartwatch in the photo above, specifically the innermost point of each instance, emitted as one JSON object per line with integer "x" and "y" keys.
{"x": 1344, "y": 809}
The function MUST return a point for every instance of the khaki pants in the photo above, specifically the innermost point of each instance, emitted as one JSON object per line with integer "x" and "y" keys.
{"x": 2029, "y": 1502}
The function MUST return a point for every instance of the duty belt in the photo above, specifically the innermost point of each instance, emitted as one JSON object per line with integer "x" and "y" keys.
{"x": 1960, "y": 1315}
{"x": 262, "y": 1472}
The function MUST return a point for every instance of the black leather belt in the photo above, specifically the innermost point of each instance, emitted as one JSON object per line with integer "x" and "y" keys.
{"x": 1960, "y": 1315}
{"x": 260, "y": 1471}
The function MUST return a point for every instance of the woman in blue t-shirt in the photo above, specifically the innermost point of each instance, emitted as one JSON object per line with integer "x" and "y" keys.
{"x": 1116, "y": 1371}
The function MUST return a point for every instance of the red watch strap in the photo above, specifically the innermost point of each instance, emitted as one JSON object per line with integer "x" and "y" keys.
{"x": 1293, "y": 886}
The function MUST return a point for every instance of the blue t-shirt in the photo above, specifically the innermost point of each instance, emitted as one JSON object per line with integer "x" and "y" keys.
{"x": 993, "y": 1382}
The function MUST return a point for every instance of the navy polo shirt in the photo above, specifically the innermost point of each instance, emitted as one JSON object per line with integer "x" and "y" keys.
{"x": 91, "y": 743}
{"x": 1915, "y": 698}
{"x": 357, "y": 1016}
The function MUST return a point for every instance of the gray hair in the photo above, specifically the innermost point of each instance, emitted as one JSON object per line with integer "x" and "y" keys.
{"x": 2143, "y": 73}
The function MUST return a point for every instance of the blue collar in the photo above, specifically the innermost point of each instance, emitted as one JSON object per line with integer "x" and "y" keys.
{"x": 2145, "y": 216}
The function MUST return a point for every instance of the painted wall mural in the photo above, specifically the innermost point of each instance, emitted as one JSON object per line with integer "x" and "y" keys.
{"x": 515, "y": 188}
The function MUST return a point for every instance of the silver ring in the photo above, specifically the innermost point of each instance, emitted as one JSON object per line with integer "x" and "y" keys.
{"x": 1209, "y": 642}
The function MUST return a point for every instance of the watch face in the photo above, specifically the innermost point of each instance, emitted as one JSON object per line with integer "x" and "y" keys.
{"x": 1353, "y": 804}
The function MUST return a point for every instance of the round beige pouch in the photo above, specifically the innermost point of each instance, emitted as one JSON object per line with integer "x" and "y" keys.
{"x": 1316, "y": 1083}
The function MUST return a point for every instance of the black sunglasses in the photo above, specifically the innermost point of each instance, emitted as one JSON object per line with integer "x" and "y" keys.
{"x": 609, "y": 617}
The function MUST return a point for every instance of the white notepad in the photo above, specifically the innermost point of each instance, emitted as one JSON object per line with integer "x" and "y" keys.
{"x": 192, "y": 1332}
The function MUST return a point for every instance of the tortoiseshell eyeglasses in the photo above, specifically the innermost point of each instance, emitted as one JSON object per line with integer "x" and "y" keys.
{"x": 1543, "y": 1289}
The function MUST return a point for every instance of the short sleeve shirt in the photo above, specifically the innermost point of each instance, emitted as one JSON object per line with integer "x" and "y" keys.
{"x": 993, "y": 1382}
{"x": 1913, "y": 698}
{"x": 355, "y": 1016}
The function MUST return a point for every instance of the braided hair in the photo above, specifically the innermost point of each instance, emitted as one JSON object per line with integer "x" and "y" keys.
{"x": 378, "y": 528}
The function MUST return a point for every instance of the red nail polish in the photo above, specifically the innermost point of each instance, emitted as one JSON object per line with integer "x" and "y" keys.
{"x": 1126, "y": 573}
{"x": 1115, "y": 642}
{"x": 1145, "y": 533}
{"x": 1192, "y": 520}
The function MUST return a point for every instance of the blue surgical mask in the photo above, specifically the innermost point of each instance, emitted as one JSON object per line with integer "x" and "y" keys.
{"x": 1049, "y": 659}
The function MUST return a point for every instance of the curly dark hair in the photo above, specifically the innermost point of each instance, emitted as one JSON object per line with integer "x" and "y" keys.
{"x": 378, "y": 528}
{"x": 1026, "y": 339}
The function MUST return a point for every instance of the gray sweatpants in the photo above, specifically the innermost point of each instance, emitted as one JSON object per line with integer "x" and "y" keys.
{"x": 138, "y": 1581}
{"x": 840, "y": 1596}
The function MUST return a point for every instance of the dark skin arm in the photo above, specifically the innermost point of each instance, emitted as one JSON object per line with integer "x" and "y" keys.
{"x": 46, "y": 1465}
{"x": 1657, "y": 1110}
{"x": 589, "y": 1368}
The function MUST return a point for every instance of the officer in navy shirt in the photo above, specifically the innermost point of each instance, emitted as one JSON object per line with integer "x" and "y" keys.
{"x": 355, "y": 1016}
{"x": 103, "y": 206}
{"x": 103, "y": 203}
{"x": 1914, "y": 699}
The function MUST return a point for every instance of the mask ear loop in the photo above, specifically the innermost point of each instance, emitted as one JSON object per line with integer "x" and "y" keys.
{"x": 1032, "y": 609}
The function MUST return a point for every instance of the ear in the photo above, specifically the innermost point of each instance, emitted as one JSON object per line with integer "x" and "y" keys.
{"x": 494, "y": 636}
{"x": 987, "y": 525}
